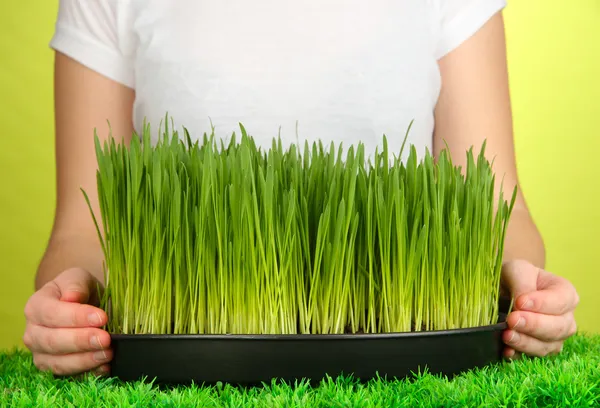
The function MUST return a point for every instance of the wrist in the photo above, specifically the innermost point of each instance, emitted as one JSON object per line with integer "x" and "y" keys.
{"x": 70, "y": 251}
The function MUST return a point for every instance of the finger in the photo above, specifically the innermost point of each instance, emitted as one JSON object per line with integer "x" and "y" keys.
{"x": 511, "y": 354}
{"x": 44, "y": 309}
{"x": 78, "y": 285}
{"x": 519, "y": 277}
{"x": 556, "y": 296}
{"x": 72, "y": 364}
{"x": 541, "y": 326}
{"x": 530, "y": 345}
{"x": 102, "y": 370}
{"x": 65, "y": 341}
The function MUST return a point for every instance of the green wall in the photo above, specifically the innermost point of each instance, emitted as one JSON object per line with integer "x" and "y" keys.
{"x": 554, "y": 66}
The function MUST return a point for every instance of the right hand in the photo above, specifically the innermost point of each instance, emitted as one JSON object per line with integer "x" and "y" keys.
{"x": 63, "y": 328}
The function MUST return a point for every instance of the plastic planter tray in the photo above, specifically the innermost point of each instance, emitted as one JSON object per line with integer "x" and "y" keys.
{"x": 253, "y": 359}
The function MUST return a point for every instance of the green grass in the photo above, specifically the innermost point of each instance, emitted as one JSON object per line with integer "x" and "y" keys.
{"x": 203, "y": 237}
{"x": 571, "y": 379}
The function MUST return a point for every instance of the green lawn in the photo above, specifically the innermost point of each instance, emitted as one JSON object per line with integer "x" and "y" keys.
{"x": 570, "y": 379}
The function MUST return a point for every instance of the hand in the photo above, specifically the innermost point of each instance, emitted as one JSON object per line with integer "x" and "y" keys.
{"x": 542, "y": 317}
{"x": 63, "y": 328}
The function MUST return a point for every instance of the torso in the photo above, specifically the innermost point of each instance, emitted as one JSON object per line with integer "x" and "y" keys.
{"x": 342, "y": 71}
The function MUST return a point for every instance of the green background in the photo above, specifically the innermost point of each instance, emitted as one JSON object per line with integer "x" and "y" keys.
{"x": 554, "y": 59}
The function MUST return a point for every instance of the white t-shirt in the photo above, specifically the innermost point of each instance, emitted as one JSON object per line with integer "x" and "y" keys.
{"x": 336, "y": 70}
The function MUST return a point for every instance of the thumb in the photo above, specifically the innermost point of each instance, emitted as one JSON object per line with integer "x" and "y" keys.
{"x": 520, "y": 278}
{"x": 77, "y": 285}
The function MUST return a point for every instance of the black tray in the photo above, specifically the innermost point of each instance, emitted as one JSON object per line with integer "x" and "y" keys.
{"x": 253, "y": 359}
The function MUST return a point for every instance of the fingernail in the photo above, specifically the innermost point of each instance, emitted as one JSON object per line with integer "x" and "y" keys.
{"x": 514, "y": 338}
{"x": 102, "y": 370}
{"x": 520, "y": 323}
{"x": 94, "y": 319}
{"x": 515, "y": 356}
{"x": 528, "y": 304}
{"x": 95, "y": 342}
{"x": 100, "y": 355}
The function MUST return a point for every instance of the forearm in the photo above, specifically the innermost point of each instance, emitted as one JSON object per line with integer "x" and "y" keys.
{"x": 86, "y": 104}
{"x": 68, "y": 252}
{"x": 523, "y": 241}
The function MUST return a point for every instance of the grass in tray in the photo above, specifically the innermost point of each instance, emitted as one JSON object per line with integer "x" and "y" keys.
{"x": 215, "y": 237}
{"x": 571, "y": 379}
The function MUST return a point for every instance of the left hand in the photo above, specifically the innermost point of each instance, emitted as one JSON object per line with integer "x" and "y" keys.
{"x": 542, "y": 317}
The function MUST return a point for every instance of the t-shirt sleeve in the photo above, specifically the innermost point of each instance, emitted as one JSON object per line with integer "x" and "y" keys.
{"x": 93, "y": 33}
{"x": 458, "y": 20}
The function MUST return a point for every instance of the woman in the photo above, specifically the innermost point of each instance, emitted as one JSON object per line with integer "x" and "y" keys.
{"x": 346, "y": 71}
